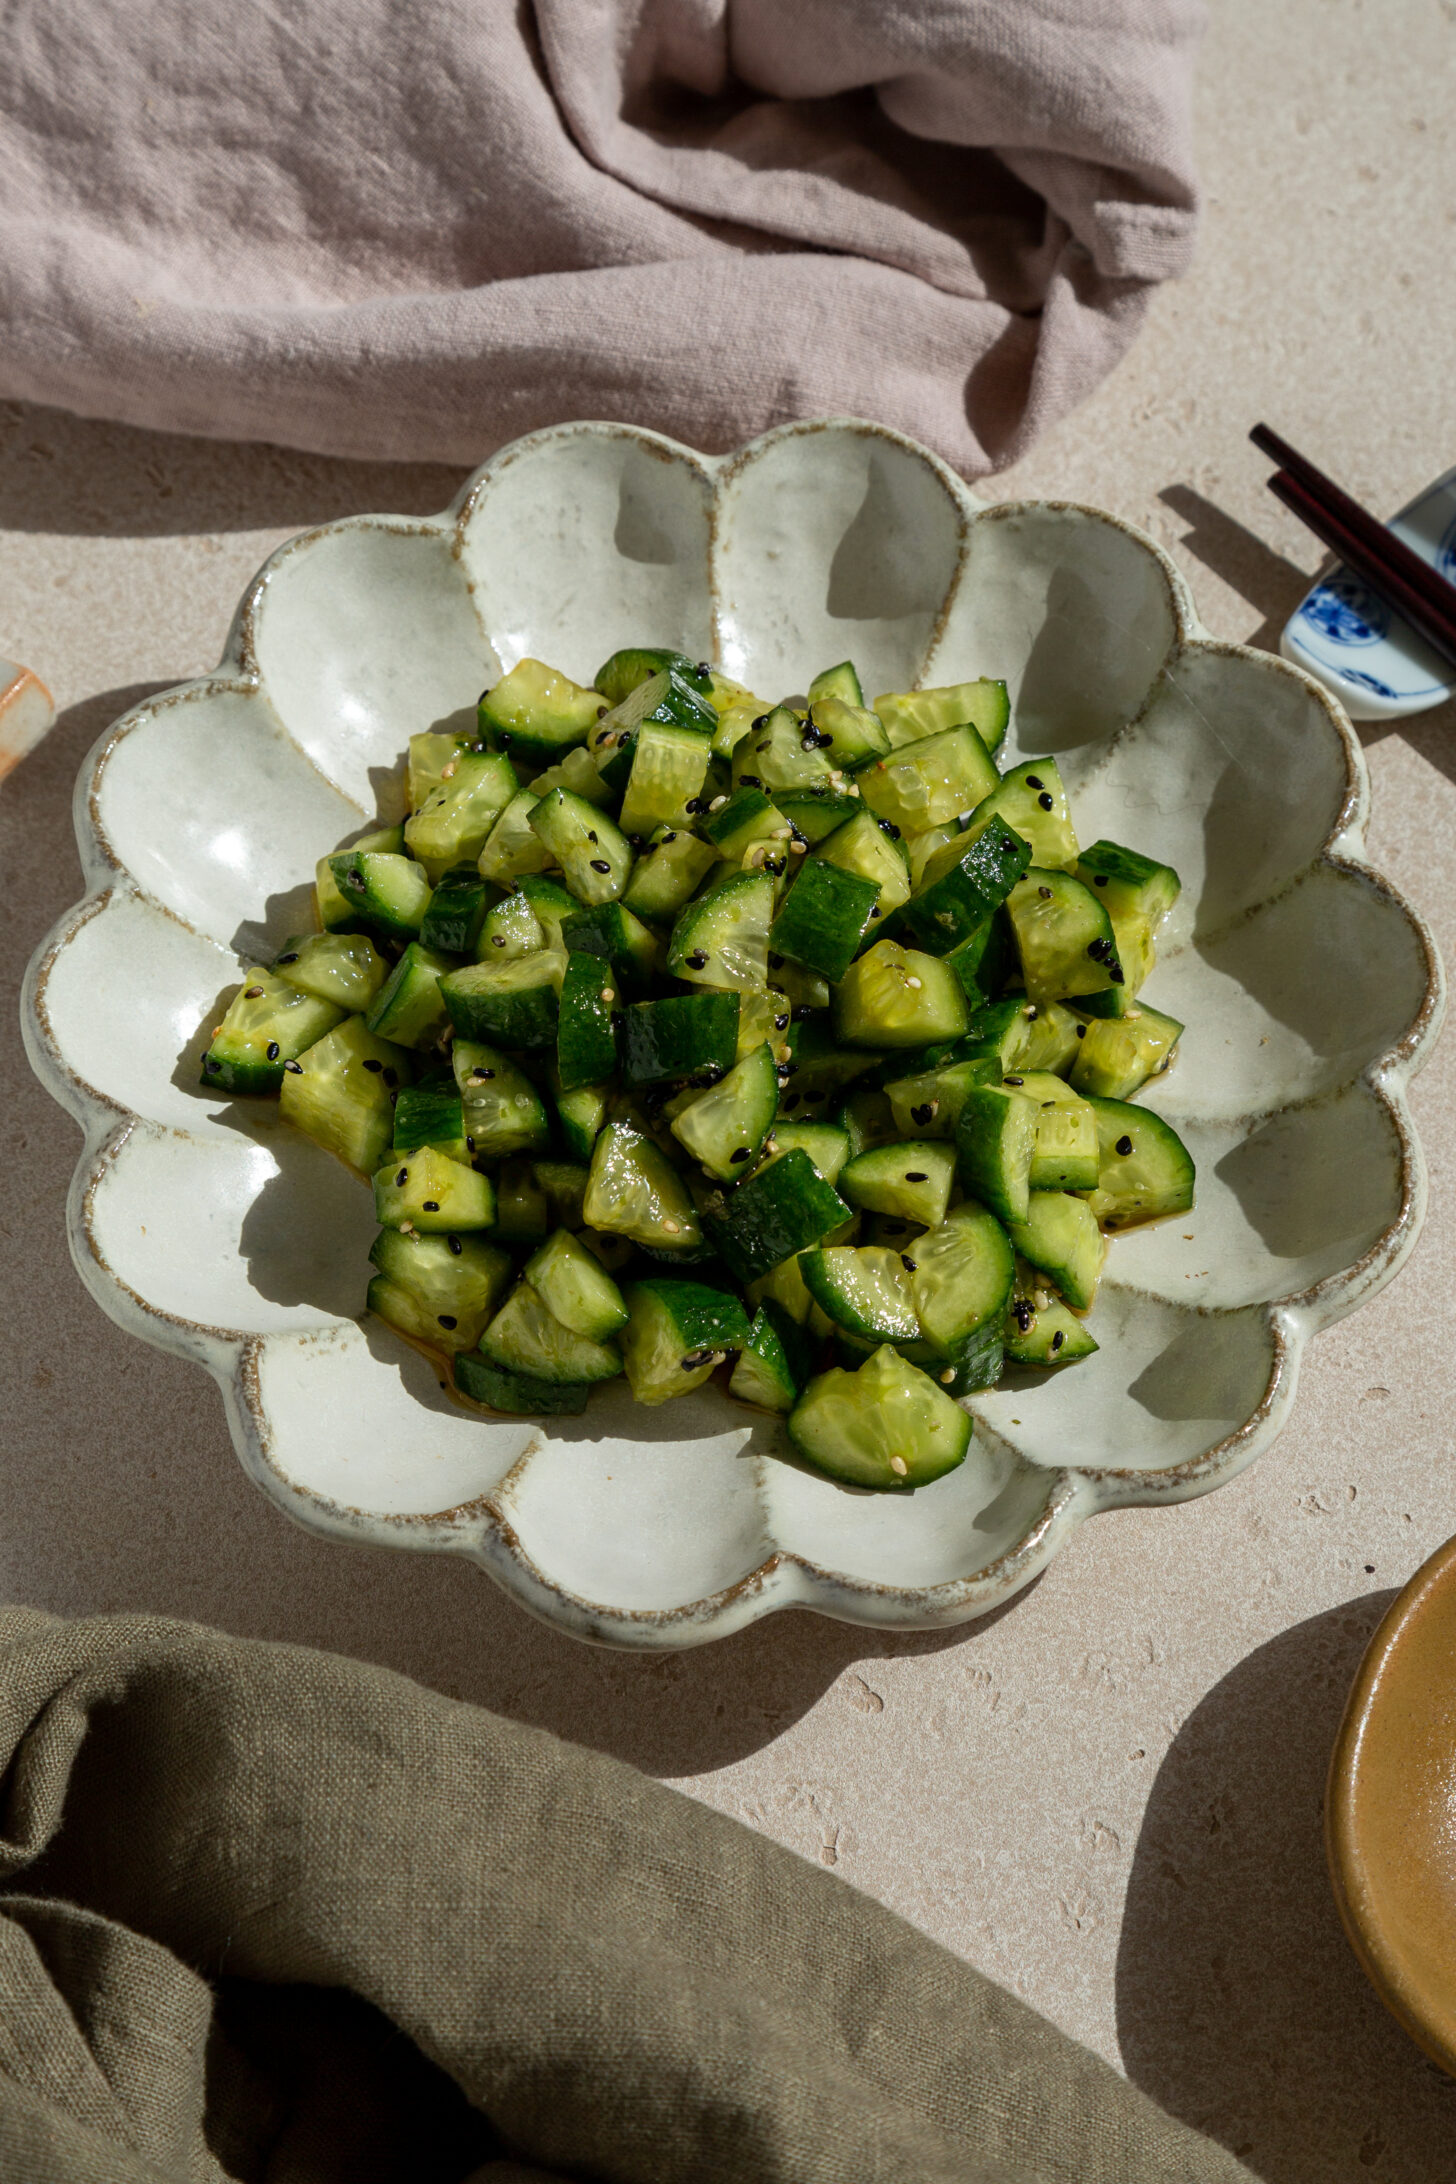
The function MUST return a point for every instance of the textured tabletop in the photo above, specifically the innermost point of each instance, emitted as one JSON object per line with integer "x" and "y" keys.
{"x": 1107, "y": 1796}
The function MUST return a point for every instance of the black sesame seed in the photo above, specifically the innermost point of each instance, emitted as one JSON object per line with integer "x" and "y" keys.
{"x": 599, "y": 864}
{"x": 455, "y": 1245}
{"x": 888, "y": 826}
{"x": 749, "y": 781}
{"x": 292, "y": 957}
{"x": 1123, "y": 1146}
{"x": 923, "y": 1113}
{"x": 591, "y": 834}
{"x": 294, "y": 1068}
{"x": 1081, "y": 1031}
{"x": 1058, "y": 1339}
{"x": 697, "y": 961}
{"x": 497, "y": 940}
{"x": 876, "y": 912}
{"x": 908, "y": 1263}
{"x": 372, "y": 1066}
{"x": 1045, "y": 801}
{"x": 402, "y": 1178}
{"x": 431, "y": 1205}
{"x": 1099, "y": 879}
{"x": 272, "y": 1050}
{"x": 1097, "y": 949}
{"x": 1023, "y": 1314}
{"x": 781, "y": 1023}
{"x": 254, "y": 993}
{"x": 915, "y": 1175}
{"x": 704, "y": 667}
{"x": 1033, "y": 781}
{"x": 740, "y": 1153}
{"x": 1014, "y": 1080}
{"x": 481, "y": 1076}
{"x": 1117, "y": 974}
{"x": 447, "y": 1319}
{"x": 1031, "y": 1014}
{"x": 762, "y": 721}
{"x": 1045, "y": 893}
{"x": 671, "y": 837}
{"x": 470, "y": 1145}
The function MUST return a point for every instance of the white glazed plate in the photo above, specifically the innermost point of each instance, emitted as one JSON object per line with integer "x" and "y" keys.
{"x": 1310, "y": 991}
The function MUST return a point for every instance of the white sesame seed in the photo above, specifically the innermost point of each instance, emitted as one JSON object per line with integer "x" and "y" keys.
{"x": 797, "y": 849}
{"x": 898, "y": 1464}
{"x": 717, "y": 803}
{"x": 609, "y": 993}
{"x": 672, "y": 1228}
{"x": 915, "y": 982}
{"x": 948, "y": 1375}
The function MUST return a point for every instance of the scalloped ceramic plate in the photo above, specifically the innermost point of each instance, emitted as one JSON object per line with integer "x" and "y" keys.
{"x": 1310, "y": 992}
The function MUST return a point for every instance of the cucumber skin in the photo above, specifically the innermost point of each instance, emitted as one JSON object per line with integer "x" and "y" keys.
{"x": 586, "y": 1039}
{"x": 777, "y": 1357}
{"x": 451, "y": 924}
{"x": 959, "y": 901}
{"x": 774, "y": 1215}
{"x": 526, "y": 1018}
{"x": 677, "y": 1037}
{"x": 824, "y": 918}
{"x": 520, "y": 1394}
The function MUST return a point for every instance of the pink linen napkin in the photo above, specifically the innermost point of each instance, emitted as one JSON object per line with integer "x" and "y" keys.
{"x": 374, "y": 229}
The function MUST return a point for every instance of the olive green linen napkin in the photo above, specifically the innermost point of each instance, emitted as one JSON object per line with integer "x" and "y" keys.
{"x": 272, "y": 1915}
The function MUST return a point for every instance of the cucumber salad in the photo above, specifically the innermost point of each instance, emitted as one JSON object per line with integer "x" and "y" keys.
{"x": 680, "y": 1032}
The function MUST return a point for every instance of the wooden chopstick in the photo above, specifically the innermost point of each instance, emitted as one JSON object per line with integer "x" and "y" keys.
{"x": 1369, "y": 549}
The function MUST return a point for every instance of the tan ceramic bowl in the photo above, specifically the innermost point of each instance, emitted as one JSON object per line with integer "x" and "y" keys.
{"x": 1390, "y": 1812}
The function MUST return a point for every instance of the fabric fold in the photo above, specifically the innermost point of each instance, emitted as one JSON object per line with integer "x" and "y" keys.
{"x": 352, "y": 228}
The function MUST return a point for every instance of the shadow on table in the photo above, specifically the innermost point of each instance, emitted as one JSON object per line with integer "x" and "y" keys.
{"x": 1240, "y": 2006}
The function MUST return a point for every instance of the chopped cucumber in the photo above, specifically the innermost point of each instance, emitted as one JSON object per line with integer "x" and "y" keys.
{"x": 447, "y": 1331}
{"x": 564, "y": 1183}
{"x": 886, "y": 1425}
{"x": 340, "y": 1092}
{"x": 537, "y": 713}
{"x": 825, "y": 1143}
{"x": 581, "y": 1115}
{"x": 1063, "y": 936}
{"x": 925, "y": 784}
{"x": 635, "y": 1191}
{"x": 898, "y": 997}
{"x": 862, "y": 1288}
{"x": 586, "y": 1035}
{"x": 824, "y": 918}
{"x": 1128, "y": 884}
{"x": 577, "y": 771}
{"x": 453, "y": 1279}
{"x": 929, "y": 1104}
{"x": 523, "y": 1393}
{"x": 1145, "y": 1169}
{"x": 550, "y": 904}
{"x": 1060, "y": 1235}
{"x": 430, "y": 1113}
{"x": 911, "y": 715}
{"x": 775, "y": 1214}
{"x": 722, "y": 938}
{"x": 1116, "y": 1056}
{"x": 664, "y": 698}
{"x": 268, "y": 1024}
{"x": 409, "y": 1007}
{"x": 774, "y": 1364}
{"x": 432, "y": 1194}
{"x": 668, "y": 873}
{"x": 389, "y": 894}
{"x": 913, "y": 1181}
{"x": 338, "y": 912}
{"x": 960, "y": 1278}
{"x": 622, "y": 940}
{"x": 872, "y": 849}
{"x": 983, "y": 959}
{"x": 514, "y": 1001}
{"x": 344, "y": 968}
{"x": 837, "y": 682}
{"x": 511, "y": 848}
{"x": 669, "y": 767}
{"x": 456, "y": 913}
{"x": 816, "y": 812}
{"x": 763, "y": 1015}
{"x": 626, "y": 670}
{"x": 526, "y": 1337}
{"x": 781, "y": 751}
{"x": 454, "y": 821}
{"x": 1024, "y": 1035}
{"x": 502, "y": 1111}
{"x": 510, "y": 928}
{"x": 677, "y": 1334}
{"x": 854, "y": 734}
{"x": 1039, "y": 1328}
{"x": 428, "y": 757}
{"x": 1066, "y": 1157}
{"x": 866, "y": 1118}
{"x": 747, "y": 820}
{"x": 995, "y": 1146}
{"x": 1032, "y": 801}
{"x": 724, "y": 1127}
{"x": 964, "y": 882}
{"x": 523, "y": 1212}
{"x": 576, "y": 1287}
{"x": 593, "y": 853}
{"x": 681, "y": 1036}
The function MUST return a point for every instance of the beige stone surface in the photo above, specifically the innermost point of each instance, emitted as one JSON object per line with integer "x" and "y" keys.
{"x": 1109, "y": 1795}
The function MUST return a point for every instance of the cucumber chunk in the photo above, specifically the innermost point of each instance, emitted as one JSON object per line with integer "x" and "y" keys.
{"x": 537, "y": 713}
{"x": 995, "y": 1146}
{"x": 430, "y": 1113}
{"x": 387, "y": 893}
{"x": 722, "y": 939}
{"x": 747, "y": 819}
{"x": 344, "y": 968}
{"x": 911, "y": 715}
{"x": 825, "y": 1143}
{"x": 664, "y": 698}
{"x": 447, "y": 1331}
{"x": 886, "y": 1425}
{"x": 511, "y": 848}
{"x": 913, "y": 1181}
{"x": 526, "y": 1337}
{"x": 1066, "y": 1157}
{"x": 339, "y": 912}
{"x": 1116, "y": 1056}
{"x": 724, "y": 1127}
{"x": 592, "y": 851}
{"x": 781, "y": 752}
{"x": 452, "y": 923}
{"x": 1063, "y": 936}
{"x": 1039, "y": 1329}
{"x": 818, "y": 1069}
{"x": 678, "y": 1037}
{"x": 862, "y": 1288}
{"x": 586, "y": 1037}
{"x": 577, "y": 771}
{"x": 960, "y": 1278}
{"x": 502, "y": 1111}
{"x": 341, "y": 1093}
{"x": 620, "y": 939}
{"x": 670, "y": 870}
{"x": 409, "y": 1007}
{"x": 510, "y": 928}
{"x": 1060, "y": 1235}
{"x": 550, "y": 904}
{"x": 634, "y": 1191}
{"x": 669, "y": 767}
{"x": 428, "y": 755}
{"x": 564, "y": 1183}
{"x": 898, "y": 997}
{"x": 515, "y": 1002}
{"x": 983, "y": 960}
{"x": 928, "y": 1105}
{"x": 1032, "y": 800}
{"x": 581, "y": 1115}
{"x": 964, "y": 882}
{"x": 928, "y": 783}
{"x": 873, "y": 849}
{"x": 854, "y": 734}
{"x": 816, "y": 812}
{"x": 774, "y": 1364}
{"x": 840, "y": 681}
{"x": 452, "y": 1278}
{"x": 521, "y": 1393}
{"x": 764, "y": 1015}
{"x": 824, "y": 918}
{"x": 780, "y": 1211}
{"x": 634, "y": 665}
{"x": 523, "y": 1212}
{"x": 576, "y": 1287}
{"x": 1128, "y": 884}
{"x": 427, "y": 1191}
{"x": 267, "y": 1025}
{"x": 677, "y": 1334}
{"x": 1025, "y": 1035}
{"x": 454, "y": 821}
{"x": 1145, "y": 1169}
